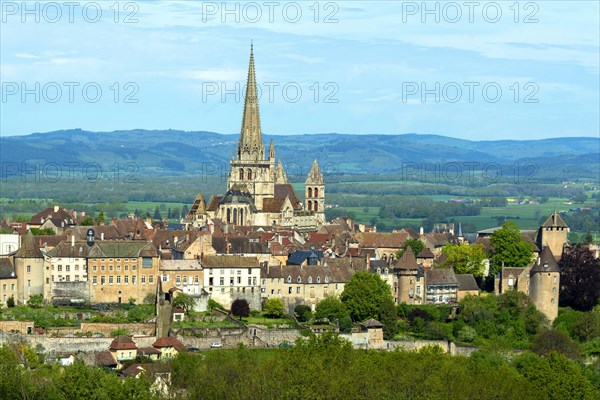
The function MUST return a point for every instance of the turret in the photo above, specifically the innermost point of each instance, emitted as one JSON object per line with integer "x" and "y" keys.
{"x": 315, "y": 193}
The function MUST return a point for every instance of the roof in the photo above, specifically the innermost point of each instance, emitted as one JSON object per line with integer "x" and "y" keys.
{"x": 133, "y": 370}
{"x": 147, "y": 350}
{"x": 54, "y": 213}
{"x": 105, "y": 359}
{"x": 407, "y": 261}
{"x": 286, "y": 190}
{"x": 273, "y": 205}
{"x": 66, "y": 248}
{"x": 425, "y": 253}
{"x": 213, "y": 205}
{"x": 180, "y": 265}
{"x": 466, "y": 282}
{"x": 29, "y": 248}
{"x": 546, "y": 262}
{"x": 332, "y": 272}
{"x": 7, "y": 270}
{"x": 299, "y": 256}
{"x": 372, "y": 323}
{"x": 229, "y": 261}
{"x": 442, "y": 276}
{"x": 314, "y": 177}
{"x": 125, "y": 248}
{"x": 123, "y": 343}
{"x": 386, "y": 240}
{"x": 109, "y": 232}
{"x": 554, "y": 221}
{"x": 238, "y": 245}
{"x": 508, "y": 271}
{"x": 169, "y": 342}
{"x": 238, "y": 195}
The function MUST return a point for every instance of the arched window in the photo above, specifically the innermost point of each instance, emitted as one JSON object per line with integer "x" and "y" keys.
{"x": 249, "y": 174}
{"x": 309, "y": 192}
{"x": 318, "y": 279}
{"x": 289, "y": 279}
{"x": 228, "y": 216}
{"x": 309, "y": 205}
{"x": 316, "y": 206}
{"x": 316, "y": 192}
{"x": 241, "y": 174}
{"x": 299, "y": 280}
{"x": 326, "y": 279}
{"x": 310, "y": 279}
{"x": 235, "y": 216}
{"x": 242, "y": 216}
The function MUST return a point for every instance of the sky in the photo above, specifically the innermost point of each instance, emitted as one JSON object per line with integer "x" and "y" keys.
{"x": 479, "y": 70}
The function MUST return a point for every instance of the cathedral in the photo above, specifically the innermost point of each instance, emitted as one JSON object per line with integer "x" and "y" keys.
{"x": 258, "y": 190}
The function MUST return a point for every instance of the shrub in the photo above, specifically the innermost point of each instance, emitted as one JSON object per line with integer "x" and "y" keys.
{"x": 214, "y": 304}
{"x": 120, "y": 332}
{"x": 35, "y": 301}
{"x": 10, "y": 302}
{"x": 552, "y": 340}
{"x": 273, "y": 308}
{"x": 467, "y": 334}
{"x": 346, "y": 324}
{"x": 418, "y": 313}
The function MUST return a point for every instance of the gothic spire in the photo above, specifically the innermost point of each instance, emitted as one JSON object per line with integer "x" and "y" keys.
{"x": 315, "y": 177}
{"x": 251, "y": 146}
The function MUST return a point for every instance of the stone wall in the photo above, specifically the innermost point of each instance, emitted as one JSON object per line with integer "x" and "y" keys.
{"x": 230, "y": 337}
{"x": 106, "y": 329}
{"x": 66, "y": 291}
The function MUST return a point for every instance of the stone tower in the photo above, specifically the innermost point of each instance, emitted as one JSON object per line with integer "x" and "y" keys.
{"x": 544, "y": 284}
{"x": 553, "y": 233}
{"x": 251, "y": 172}
{"x": 315, "y": 193}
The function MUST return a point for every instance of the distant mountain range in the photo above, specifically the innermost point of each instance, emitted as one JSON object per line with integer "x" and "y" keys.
{"x": 171, "y": 152}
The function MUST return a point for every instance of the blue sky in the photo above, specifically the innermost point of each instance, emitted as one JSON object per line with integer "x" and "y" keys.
{"x": 482, "y": 72}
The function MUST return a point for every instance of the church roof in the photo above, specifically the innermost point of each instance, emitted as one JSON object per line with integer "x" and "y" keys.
{"x": 273, "y": 205}
{"x": 237, "y": 195}
{"x": 251, "y": 135}
{"x": 554, "y": 221}
{"x": 214, "y": 203}
{"x": 287, "y": 190}
{"x": 315, "y": 177}
{"x": 408, "y": 260}
{"x": 199, "y": 207}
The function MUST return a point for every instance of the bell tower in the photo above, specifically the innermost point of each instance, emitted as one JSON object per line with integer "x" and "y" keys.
{"x": 314, "y": 193}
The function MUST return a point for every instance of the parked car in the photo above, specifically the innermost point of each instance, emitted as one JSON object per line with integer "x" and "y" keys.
{"x": 216, "y": 345}
{"x": 193, "y": 349}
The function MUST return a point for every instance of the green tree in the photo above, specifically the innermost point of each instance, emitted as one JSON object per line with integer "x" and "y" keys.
{"x": 240, "y": 308}
{"x": 150, "y": 298}
{"x": 510, "y": 249}
{"x": 415, "y": 244}
{"x": 184, "y": 301}
{"x": 464, "y": 258}
{"x": 364, "y": 295}
{"x": 100, "y": 219}
{"x": 579, "y": 278}
{"x": 303, "y": 312}
{"x": 551, "y": 340}
{"x": 10, "y": 302}
{"x": 157, "y": 216}
{"x": 88, "y": 221}
{"x": 273, "y": 308}
{"x": 389, "y": 319}
{"x": 588, "y": 325}
{"x": 35, "y": 301}
{"x": 330, "y": 308}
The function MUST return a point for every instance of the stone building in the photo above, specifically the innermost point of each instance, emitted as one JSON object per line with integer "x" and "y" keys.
{"x": 230, "y": 277}
{"x": 8, "y": 281}
{"x": 30, "y": 269}
{"x": 553, "y": 233}
{"x": 544, "y": 284}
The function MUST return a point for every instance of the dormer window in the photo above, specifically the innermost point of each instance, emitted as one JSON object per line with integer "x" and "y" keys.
{"x": 318, "y": 279}
{"x": 326, "y": 279}
{"x": 310, "y": 279}
{"x": 289, "y": 279}
{"x": 299, "y": 280}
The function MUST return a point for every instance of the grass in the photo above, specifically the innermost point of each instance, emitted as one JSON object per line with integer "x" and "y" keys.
{"x": 204, "y": 324}
{"x": 270, "y": 323}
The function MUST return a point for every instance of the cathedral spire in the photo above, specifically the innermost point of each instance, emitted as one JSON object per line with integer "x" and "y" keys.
{"x": 314, "y": 175}
{"x": 251, "y": 146}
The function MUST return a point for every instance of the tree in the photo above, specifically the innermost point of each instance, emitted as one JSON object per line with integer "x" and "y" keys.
{"x": 579, "y": 278}
{"x": 364, "y": 295}
{"x": 303, "y": 312}
{"x": 184, "y": 301}
{"x": 330, "y": 308}
{"x": 100, "y": 219}
{"x": 510, "y": 249}
{"x": 240, "y": 308}
{"x": 273, "y": 308}
{"x": 10, "y": 302}
{"x": 389, "y": 319}
{"x": 415, "y": 244}
{"x": 88, "y": 221}
{"x": 157, "y": 216}
{"x": 551, "y": 340}
{"x": 588, "y": 325}
{"x": 464, "y": 258}
{"x": 150, "y": 298}
{"x": 35, "y": 301}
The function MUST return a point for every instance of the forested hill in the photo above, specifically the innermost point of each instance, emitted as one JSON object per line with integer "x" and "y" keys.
{"x": 172, "y": 152}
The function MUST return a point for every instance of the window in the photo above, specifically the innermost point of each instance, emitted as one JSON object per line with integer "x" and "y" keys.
{"x": 239, "y": 280}
{"x": 222, "y": 272}
{"x": 249, "y": 281}
{"x": 4, "y": 287}
{"x": 110, "y": 267}
{"x": 146, "y": 262}
{"x": 47, "y": 281}
{"x": 210, "y": 271}
{"x": 239, "y": 271}
{"x": 264, "y": 281}
{"x": 185, "y": 281}
{"x": 196, "y": 279}
{"x": 554, "y": 279}
{"x": 95, "y": 280}
{"x": 298, "y": 289}
{"x": 126, "y": 279}
{"x": 289, "y": 279}
{"x": 230, "y": 281}
{"x": 221, "y": 281}
{"x": 418, "y": 289}
{"x": 29, "y": 269}
{"x": 299, "y": 280}
{"x": 150, "y": 279}
{"x": 326, "y": 279}
{"x": 68, "y": 278}
{"x": 310, "y": 279}
{"x": 164, "y": 277}
{"x": 133, "y": 267}
{"x": 110, "y": 280}
{"x": 143, "y": 279}
{"x": 290, "y": 290}
{"x": 77, "y": 268}
{"x": 59, "y": 269}
{"x": 178, "y": 280}
{"x": 118, "y": 267}
{"x": 102, "y": 268}
{"x": 102, "y": 280}
{"x": 133, "y": 280}
{"x": 126, "y": 267}
{"x": 28, "y": 282}
{"x": 94, "y": 269}
{"x": 318, "y": 279}
{"x": 67, "y": 268}
{"x": 118, "y": 279}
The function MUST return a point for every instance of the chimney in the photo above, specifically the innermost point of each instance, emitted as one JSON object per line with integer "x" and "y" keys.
{"x": 368, "y": 263}
{"x": 56, "y": 208}
{"x": 539, "y": 260}
{"x": 72, "y": 240}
